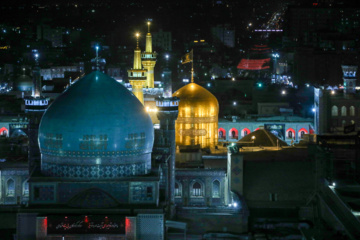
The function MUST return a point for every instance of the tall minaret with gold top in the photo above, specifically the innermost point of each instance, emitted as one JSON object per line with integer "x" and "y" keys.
{"x": 137, "y": 77}
{"x": 149, "y": 60}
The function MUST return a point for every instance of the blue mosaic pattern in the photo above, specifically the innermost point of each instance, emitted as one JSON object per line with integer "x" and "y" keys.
{"x": 93, "y": 171}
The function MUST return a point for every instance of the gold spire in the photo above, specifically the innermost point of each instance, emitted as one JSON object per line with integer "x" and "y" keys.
{"x": 136, "y": 75}
{"x": 149, "y": 59}
{"x": 148, "y": 48}
{"x": 137, "y": 54}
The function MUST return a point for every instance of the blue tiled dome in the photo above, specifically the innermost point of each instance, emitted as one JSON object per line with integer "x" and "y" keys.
{"x": 96, "y": 129}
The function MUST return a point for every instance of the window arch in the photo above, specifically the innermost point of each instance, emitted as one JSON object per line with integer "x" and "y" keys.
{"x": 222, "y": 133}
{"x": 334, "y": 111}
{"x": 4, "y": 131}
{"x": 233, "y": 133}
{"x": 352, "y": 111}
{"x": 216, "y": 189}
{"x": 301, "y": 132}
{"x": 245, "y": 132}
{"x": 26, "y": 188}
{"x": 10, "y": 188}
{"x": 290, "y": 133}
{"x": 178, "y": 189}
{"x": 343, "y": 111}
{"x": 197, "y": 189}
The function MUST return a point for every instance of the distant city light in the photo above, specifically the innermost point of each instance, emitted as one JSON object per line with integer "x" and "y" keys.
{"x": 259, "y": 84}
{"x": 313, "y": 109}
{"x": 235, "y": 204}
{"x": 185, "y": 80}
{"x": 334, "y": 184}
{"x": 308, "y": 85}
{"x": 208, "y": 84}
{"x": 332, "y": 92}
{"x": 234, "y": 103}
{"x": 233, "y": 79}
{"x": 97, "y": 47}
{"x": 275, "y": 55}
{"x": 283, "y": 92}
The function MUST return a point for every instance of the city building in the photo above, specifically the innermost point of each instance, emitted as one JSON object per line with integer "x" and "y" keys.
{"x": 224, "y": 34}
{"x": 337, "y": 110}
{"x": 162, "y": 40}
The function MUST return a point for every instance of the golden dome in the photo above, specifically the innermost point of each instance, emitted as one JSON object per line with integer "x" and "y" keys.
{"x": 198, "y": 116}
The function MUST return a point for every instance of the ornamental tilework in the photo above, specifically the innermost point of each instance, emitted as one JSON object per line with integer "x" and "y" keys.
{"x": 93, "y": 172}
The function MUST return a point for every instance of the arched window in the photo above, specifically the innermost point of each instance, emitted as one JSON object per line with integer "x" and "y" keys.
{"x": 343, "y": 123}
{"x": 10, "y": 188}
{"x": 343, "y": 111}
{"x": 3, "y": 131}
{"x": 178, "y": 189}
{"x": 233, "y": 133}
{"x": 245, "y": 132}
{"x": 216, "y": 189}
{"x": 352, "y": 111}
{"x": 222, "y": 133}
{"x": 196, "y": 190}
{"x": 334, "y": 111}
{"x": 26, "y": 188}
{"x": 290, "y": 133}
{"x": 301, "y": 132}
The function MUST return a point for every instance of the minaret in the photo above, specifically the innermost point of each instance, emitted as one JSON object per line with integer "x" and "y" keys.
{"x": 349, "y": 77}
{"x": 166, "y": 75}
{"x": 149, "y": 60}
{"x": 136, "y": 75}
{"x": 35, "y": 106}
{"x": 167, "y": 114}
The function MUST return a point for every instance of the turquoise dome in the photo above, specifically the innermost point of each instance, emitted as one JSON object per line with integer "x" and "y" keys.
{"x": 96, "y": 129}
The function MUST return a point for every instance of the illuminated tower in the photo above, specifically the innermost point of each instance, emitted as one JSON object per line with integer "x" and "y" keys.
{"x": 136, "y": 75}
{"x": 35, "y": 106}
{"x": 167, "y": 114}
{"x": 149, "y": 60}
{"x": 349, "y": 77}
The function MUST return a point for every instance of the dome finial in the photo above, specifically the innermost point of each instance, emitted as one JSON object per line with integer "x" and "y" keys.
{"x": 148, "y": 23}
{"x": 137, "y": 39}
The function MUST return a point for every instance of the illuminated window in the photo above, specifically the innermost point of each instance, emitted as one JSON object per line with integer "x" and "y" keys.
{"x": 233, "y": 133}
{"x": 222, "y": 133}
{"x": 178, "y": 190}
{"x": 352, "y": 111}
{"x": 196, "y": 190}
{"x": 216, "y": 189}
{"x": 334, "y": 111}
{"x": 245, "y": 132}
{"x": 26, "y": 188}
{"x": 10, "y": 188}
{"x": 343, "y": 111}
{"x": 290, "y": 134}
